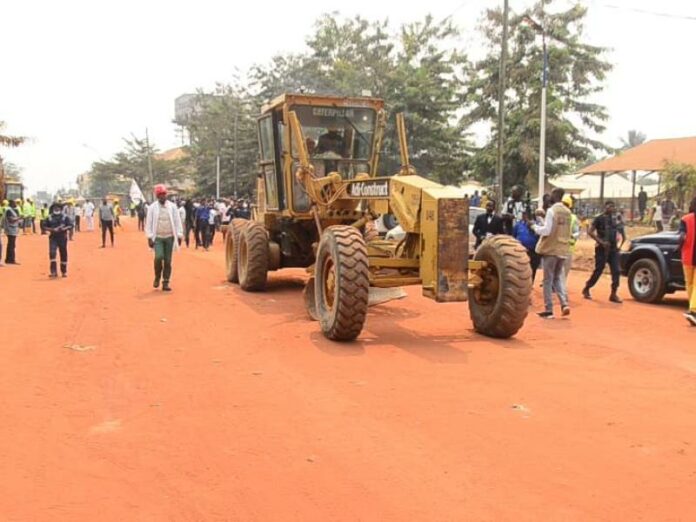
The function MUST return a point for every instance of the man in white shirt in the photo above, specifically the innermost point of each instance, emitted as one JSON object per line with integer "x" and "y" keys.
{"x": 212, "y": 223}
{"x": 164, "y": 231}
{"x": 182, "y": 211}
{"x": 89, "y": 215}
{"x": 78, "y": 217}
{"x": 657, "y": 216}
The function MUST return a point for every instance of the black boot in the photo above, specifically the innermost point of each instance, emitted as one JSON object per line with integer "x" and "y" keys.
{"x": 166, "y": 287}
{"x": 614, "y": 298}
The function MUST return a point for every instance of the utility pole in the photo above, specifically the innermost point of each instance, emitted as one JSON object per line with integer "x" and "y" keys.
{"x": 149, "y": 159}
{"x": 542, "y": 133}
{"x": 501, "y": 101}
{"x": 217, "y": 175}
{"x": 236, "y": 121}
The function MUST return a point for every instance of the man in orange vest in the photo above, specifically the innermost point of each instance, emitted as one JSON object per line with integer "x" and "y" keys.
{"x": 687, "y": 233}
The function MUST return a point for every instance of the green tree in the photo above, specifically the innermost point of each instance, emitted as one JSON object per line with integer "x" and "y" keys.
{"x": 132, "y": 163}
{"x": 224, "y": 125}
{"x": 680, "y": 180}
{"x": 428, "y": 85}
{"x": 417, "y": 70}
{"x": 576, "y": 72}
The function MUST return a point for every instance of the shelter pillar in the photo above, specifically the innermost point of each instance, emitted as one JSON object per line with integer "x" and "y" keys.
{"x": 633, "y": 194}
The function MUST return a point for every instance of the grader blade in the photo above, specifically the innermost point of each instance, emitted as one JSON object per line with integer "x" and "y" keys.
{"x": 377, "y": 296}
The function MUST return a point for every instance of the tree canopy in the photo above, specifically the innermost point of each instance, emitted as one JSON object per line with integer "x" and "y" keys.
{"x": 114, "y": 175}
{"x": 224, "y": 126}
{"x": 417, "y": 70}
{"x": 576, "y": 72}
{"x": 420, "y": 69}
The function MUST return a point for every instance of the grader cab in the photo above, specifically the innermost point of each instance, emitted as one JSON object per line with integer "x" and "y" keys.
{"x": 318, "y": 193}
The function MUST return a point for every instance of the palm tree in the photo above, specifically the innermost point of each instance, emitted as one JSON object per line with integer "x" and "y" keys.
{"x": 635, "y": 138}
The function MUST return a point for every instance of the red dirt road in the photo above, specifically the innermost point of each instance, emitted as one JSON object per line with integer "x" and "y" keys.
{"x": 209, "y": 404}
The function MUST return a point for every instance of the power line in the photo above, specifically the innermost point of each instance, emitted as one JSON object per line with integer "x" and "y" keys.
{"x": 456, "y": 10}
{"x": 651, "y": 13}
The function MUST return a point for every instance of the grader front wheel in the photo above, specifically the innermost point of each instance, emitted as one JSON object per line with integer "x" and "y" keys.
{"x": 231, "y": 240}
{"x": 499, "y": 305}
{"x": 341, "y": 283}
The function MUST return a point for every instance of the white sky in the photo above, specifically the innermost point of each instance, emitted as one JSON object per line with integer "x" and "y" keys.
{"x": 77, "y": 76}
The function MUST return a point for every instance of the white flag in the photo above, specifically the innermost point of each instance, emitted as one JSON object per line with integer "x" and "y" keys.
{"x": 135, "y": 193}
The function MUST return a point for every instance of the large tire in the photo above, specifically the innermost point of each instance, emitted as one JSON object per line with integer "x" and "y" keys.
{"x": 499, "y": 306}
{"x": 252, "y": 257}
{"x": 646, "y": 282}
{"x": 231, "y": 239}
{"x": 341, "y": 283}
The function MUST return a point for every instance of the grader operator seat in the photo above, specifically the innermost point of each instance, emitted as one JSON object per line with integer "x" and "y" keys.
{"x": 318, "y": 192}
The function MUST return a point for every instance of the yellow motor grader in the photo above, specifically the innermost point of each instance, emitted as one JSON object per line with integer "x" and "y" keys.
{"x": 318, "y": 194}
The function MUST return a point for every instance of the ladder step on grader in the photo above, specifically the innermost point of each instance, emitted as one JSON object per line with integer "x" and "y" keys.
{"x": 318, "y": 195}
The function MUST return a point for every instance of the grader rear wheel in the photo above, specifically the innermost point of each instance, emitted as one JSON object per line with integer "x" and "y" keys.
{"x": 499, "y": 306}
{"x": 341, "y": 283}
{"x": 252, "y": 257}
{"x": 231, "y": 240}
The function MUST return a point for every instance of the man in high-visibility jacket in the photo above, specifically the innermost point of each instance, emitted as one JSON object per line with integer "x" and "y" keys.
{"x": 117, "y": 212}
{"x": 26, "y": 216}
{"x": 687, "y": 233}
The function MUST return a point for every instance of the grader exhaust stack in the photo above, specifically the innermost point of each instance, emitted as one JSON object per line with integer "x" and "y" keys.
{"x": 319, "y": 191}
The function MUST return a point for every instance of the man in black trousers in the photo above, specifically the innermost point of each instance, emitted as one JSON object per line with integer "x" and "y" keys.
{"x": 605, "y": 230}
{"x": 106, "y": 218}
{"x": 57, "y": 225}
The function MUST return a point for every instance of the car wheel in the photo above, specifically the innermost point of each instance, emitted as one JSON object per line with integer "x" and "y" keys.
{"x": 646, "y": 282}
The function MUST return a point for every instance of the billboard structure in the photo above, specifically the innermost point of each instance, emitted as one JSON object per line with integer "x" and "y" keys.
{"x": 188, "y": 105}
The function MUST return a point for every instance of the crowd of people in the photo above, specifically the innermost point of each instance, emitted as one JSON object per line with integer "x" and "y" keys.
{"x": 202, "y": 218}
{"x": 550, "y": 234}
{"x": 59, "y": 221}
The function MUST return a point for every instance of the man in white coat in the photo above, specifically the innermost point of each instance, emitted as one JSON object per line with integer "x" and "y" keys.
{"x": 89, "y": 215}
{"x": 164, "y": 232}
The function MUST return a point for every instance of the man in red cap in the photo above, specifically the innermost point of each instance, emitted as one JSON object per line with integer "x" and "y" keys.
{"x": 164, "y": 232}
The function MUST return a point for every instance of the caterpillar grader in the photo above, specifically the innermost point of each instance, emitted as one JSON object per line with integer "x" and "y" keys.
{"x": 319, "y": 192}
